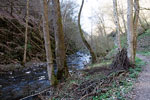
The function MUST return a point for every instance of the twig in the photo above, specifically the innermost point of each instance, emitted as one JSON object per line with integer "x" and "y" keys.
{"x": 144, "y": 8}
{"x": 35, "y": 94}
{"x": 90, "y": 94}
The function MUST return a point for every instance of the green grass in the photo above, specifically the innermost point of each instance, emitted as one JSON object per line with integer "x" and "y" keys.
{"x": 145, "y": 53}
{"x": 139, "y": 62}
{"x": 103, "y": 63}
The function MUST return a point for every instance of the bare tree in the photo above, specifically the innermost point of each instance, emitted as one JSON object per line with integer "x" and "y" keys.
{"x": 117, "y": 23}
{"x": 102, "y": 28}
{"x": 132, "y": 24}
{"x": 49, "y": 58}
{"x": 59, "y": 40}
{"x": 82, "y": 36}
{"x": 136, "y": 19}
{"x": 26, "y": 34}
{"x": 130, "y": 30}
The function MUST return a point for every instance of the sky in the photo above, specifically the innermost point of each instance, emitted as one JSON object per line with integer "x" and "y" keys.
{"x": 88, "y": 12}
{"x": 90, "y": 9}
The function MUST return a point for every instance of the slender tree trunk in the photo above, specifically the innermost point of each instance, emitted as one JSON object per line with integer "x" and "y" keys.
{"x": 49, "y": 58}
{"x": 26, "y": 33}
{"x": 12, "y": 7}
{"x": 136, "y": 18}
{"x": 82, "y": 36}
{"x": 104, "y": 30}
{"x": 120, "y": 29}
{"x": 117, "y": 23}
{"x": 130, "y": 30}
{"x": 60, "y": 44}
{"x": 124, "y": 23}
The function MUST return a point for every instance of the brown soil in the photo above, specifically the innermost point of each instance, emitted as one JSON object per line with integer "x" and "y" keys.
{"x": 95, "y": 70}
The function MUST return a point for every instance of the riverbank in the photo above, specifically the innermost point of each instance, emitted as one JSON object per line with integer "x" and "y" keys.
{"x": 17, "y": 81}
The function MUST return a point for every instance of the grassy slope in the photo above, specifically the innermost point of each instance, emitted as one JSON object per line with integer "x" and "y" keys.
{"x": 144, "y": 43}
{"x": 119, "y": 91}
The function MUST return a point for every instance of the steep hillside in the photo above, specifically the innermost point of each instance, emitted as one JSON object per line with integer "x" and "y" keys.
{"x": 12, "y": 30}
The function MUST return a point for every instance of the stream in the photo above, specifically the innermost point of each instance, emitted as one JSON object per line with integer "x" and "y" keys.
{"x": 17, "y": 84}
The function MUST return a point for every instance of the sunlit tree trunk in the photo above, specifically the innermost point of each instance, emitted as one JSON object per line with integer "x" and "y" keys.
{"x": 59, "y": 41}
{"x": 136, "y": 18}
{"x": 117, "y": 23}
{"x": 82, "y": 36}
{"x": 49, "y": 58}
{"x": 124, "y": 23}
{"x": 130, "y": 30}
{"x": 26, "y": 33}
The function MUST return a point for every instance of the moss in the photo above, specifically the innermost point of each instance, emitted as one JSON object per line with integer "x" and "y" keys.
{"x": 62, "y": 74}
{"x": 55, "y": 81}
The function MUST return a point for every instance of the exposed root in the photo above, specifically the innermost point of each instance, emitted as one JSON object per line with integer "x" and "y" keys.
{"x": 121, "y": 61}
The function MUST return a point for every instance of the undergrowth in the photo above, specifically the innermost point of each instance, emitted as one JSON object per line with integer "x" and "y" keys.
{"x": 144, "y": 43}
{"x": 121, "y": 87}
{"x": 146, "y": 33}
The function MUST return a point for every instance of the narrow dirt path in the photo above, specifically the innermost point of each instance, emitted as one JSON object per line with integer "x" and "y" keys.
{"x": 142, "y": 86}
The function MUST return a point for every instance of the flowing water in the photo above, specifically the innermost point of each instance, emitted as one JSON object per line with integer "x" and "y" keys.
{"x": 33, "y": 79}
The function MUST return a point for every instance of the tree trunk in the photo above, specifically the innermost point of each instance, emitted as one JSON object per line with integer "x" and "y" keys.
{"x": 124, "y": 23}
{"x": 117, "y": 23}
{"x": 82, "y": 36}
{"x": 26, "y": 33}
{"x": 136, "y": 18}
{"x": 130, "y": 30}
{"x": 49, "y": 58}
{"x": 60, "y": 44}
